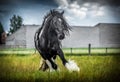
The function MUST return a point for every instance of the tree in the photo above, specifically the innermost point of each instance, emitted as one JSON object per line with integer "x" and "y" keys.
{"x": 1, "y": 28}
{"x": 15, "y": 23}
{"x": 1, "y": 31}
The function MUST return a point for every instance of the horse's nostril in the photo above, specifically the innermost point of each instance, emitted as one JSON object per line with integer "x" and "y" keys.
{"x": 61, "y": 37}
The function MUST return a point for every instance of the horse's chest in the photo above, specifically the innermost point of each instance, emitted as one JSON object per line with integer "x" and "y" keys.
{"x": 53, "y": 44}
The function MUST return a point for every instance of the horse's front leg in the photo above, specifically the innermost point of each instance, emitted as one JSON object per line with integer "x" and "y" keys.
{"x": 61, "y": 55}
{"x": 70, "y": 65}
{"x": 48, "y": 63}
{"x": 51, "y": 64}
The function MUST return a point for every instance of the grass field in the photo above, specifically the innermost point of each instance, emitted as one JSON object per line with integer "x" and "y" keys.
{"x": 24, "y": 68}
{"x": 21, "y": 65}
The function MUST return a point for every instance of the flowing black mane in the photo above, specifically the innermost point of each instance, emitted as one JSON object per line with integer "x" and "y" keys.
{"x": 49, "y": 25}
{"x": 53, "y": 13}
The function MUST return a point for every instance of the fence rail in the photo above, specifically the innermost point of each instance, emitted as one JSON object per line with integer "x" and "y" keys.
{"x": 91, "y": 51}
{"x": 71, "y": 51}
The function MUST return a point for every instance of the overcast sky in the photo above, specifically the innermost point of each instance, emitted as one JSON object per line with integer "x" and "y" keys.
{"x": 77, "y": 12}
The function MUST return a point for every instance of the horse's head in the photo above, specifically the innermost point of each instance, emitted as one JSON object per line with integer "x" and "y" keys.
{"x": 59, "y": 25}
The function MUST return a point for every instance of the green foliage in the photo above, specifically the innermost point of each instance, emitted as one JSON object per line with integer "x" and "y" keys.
{"x": 1, "y": 31}
{"x": 15, "y": 23}
{"x": 1, "y": 28}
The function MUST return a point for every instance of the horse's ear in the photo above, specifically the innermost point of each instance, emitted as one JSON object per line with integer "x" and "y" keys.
{"x": 62, "y": 12}
{"x": 51, "y": 12}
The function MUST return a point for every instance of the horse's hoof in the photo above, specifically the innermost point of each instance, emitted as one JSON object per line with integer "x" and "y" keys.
{"x": 72, "y": 66}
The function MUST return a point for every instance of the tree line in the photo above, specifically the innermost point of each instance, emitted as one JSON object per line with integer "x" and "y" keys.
{"x": 15, "y": 23}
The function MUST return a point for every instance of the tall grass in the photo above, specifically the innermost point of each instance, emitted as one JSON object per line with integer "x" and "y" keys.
{"x": 92, "y": 69}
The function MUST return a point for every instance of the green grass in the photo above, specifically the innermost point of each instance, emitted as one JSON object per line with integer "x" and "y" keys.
{"x": 24, "y": 68}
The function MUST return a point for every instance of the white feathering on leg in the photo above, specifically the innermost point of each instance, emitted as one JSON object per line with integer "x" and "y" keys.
{"x": 49, "y": 65}
{"x": 72, "y": 66}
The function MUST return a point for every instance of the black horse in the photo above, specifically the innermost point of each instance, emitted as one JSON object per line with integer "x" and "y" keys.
{"x": 48, "y": 41}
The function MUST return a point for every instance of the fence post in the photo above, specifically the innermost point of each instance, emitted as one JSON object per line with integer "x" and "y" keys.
{"x": 89, "y": 49}
{"x": 106, "y": 50}
{"x": 71, "y": 51}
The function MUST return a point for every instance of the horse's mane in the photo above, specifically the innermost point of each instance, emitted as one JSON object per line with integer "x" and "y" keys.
{"x": 50, "y": 15}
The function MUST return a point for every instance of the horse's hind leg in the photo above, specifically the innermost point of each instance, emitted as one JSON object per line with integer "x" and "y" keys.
{"x": 50, "y": 63}
{"x": 53, "y": 58}
{"x": 43, "y": 65}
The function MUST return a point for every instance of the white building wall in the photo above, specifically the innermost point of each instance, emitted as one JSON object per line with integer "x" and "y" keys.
{"x": 30, "y": 32}
{"x": 101, "y": 35}
{"x": 17, "y": 39}
{"x": 81, "y": 37}
{"x": 109, "y": 35}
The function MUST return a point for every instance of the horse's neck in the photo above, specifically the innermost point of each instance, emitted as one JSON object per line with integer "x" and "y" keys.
{"x": 45, "y": 26}
{"x": 50, "y": 38}
{"x": 44, "y": 30}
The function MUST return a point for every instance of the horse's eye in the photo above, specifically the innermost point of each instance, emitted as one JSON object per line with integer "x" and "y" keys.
{"x": 59, "y": 19}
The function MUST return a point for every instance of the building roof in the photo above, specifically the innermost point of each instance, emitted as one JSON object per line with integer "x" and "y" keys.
{"x": 34, "y": 25}
{"x": 106, "y": 24}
